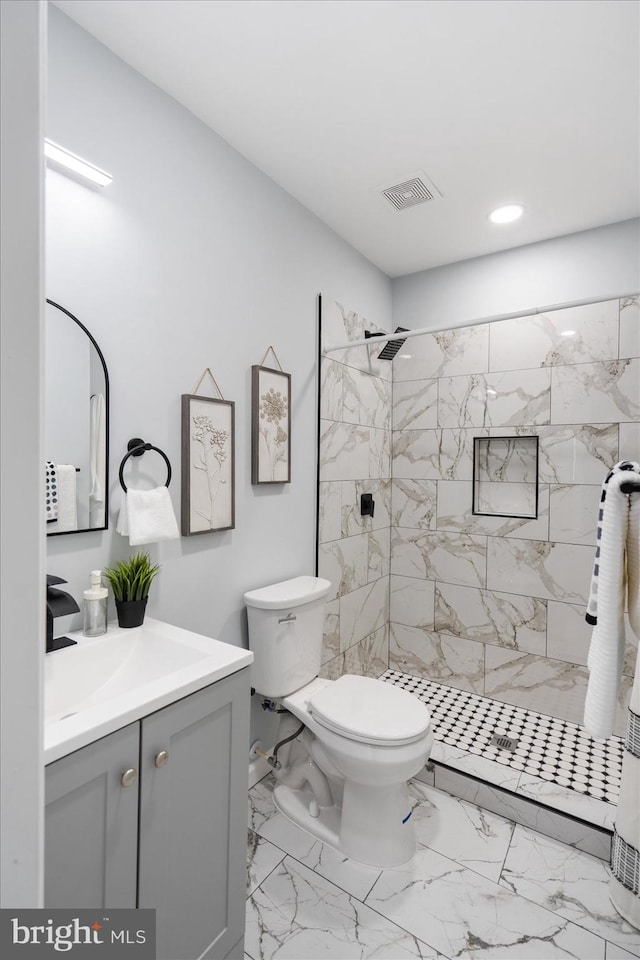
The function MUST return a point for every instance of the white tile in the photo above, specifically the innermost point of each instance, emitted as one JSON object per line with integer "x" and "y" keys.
{"x": 331, "y": 389}
{"x": 415, "y": 405}
{"x": 344, "y": 451}
{"x": 450, "y": 660}
{"x": 331, "y": 631}
{"x": 472, "y": 765}
{"x": 434, "y": 454}
{"x": 365, "y": 399}
{"x": 261, "y": 803}
{"x": 614, "y": 952}
{"x": 262, "y": 858}
{"x": 344, "y": 564}
{"x": 330, "y": 510}
{"x": 568, "y": 881}
{"x": 452, "y": 557}
{"x": 298, "y": 914}
{"x": 413, "y": 504}
{"x": 466, "y": 915}
{"x": 551, "y": 571}
{"x": 568, "y": 801}
{"x": 370, "y": 656}
{"x": 629, "y": 442}
{"x": 454, "y": 512}
{"x": 549, "y": 686}
{"x": 538, "y": 340}
{"x": 630, "y": 327}
{"x": 340, "y": 325}
{"x": 596, "y": 392}
{"x": 412, "y": 601}
{"x": 460, "y": 830}
{"x": 352, "y": 520}
{"x": 568, "y": 633}
{"x": 573, "y": 513}
{"x": 504, "y": 619}
{"x": 363, "y": 611}
{"x": 498, "y": 399}
{"x": 574, "y": 452}
{"x": 379, "y": 454}
{"x": 379, "y": 553}
{"x": 444, "y": 353}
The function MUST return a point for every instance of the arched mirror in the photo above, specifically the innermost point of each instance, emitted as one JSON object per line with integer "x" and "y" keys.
{"x": 76, "y": 426}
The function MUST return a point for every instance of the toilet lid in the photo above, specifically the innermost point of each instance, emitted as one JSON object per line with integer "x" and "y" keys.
{"x": 370, "y": 711}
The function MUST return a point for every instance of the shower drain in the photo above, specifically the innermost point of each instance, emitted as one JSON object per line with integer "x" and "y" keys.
{"x": 505, "y": 743}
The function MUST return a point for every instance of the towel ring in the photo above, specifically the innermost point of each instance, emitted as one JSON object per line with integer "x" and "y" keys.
{"x": 136, "y": 448}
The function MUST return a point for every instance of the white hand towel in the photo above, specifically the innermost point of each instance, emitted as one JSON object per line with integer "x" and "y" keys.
{"x": 97, "y": 454}
{"x": 67, "y": 499}
{"x": 147, "y": 516}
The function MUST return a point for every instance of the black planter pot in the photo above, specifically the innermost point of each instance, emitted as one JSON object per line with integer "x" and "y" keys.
{"x": 131, "y": 612}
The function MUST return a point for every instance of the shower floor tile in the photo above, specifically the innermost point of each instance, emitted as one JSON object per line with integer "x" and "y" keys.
{"x": 549, "y": 750}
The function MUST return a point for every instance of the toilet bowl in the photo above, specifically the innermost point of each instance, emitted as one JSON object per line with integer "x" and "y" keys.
{"x": 346, "y": 747}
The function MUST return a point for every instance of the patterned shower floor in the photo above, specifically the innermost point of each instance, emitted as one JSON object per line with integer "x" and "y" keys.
{"x": 547, "y": 748}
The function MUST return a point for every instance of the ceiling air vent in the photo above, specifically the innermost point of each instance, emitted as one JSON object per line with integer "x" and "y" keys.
{"x": 408, "y": 194}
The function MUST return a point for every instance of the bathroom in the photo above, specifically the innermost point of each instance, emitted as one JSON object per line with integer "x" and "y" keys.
{"x": 163, "y": 309}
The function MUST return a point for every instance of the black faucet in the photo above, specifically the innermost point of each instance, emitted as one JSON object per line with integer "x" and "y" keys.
{"x": 59, "y": 604}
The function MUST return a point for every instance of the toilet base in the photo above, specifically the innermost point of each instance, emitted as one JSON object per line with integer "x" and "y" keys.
{"x": 373, "y": 828}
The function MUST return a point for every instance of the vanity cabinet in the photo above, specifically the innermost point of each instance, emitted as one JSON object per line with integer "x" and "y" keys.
{"x": 155, "y": 815}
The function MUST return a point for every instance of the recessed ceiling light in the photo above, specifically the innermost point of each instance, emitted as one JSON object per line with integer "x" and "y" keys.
{"x": 568, "y": 333}
{"x": 506, "y": 214}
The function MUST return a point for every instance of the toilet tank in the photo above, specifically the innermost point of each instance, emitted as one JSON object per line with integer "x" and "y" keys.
{"x": 286, "y": 622}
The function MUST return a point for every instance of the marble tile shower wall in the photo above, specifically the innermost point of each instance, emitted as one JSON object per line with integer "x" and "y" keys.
{"x": 355, "y": 458}
{"x": 490, "y": 604}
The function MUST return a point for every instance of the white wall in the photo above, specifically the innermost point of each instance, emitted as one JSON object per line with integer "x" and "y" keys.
{"x": 191, "y": 258}
{"x": 22, "y": 628}
{"x": 602, "y": 263}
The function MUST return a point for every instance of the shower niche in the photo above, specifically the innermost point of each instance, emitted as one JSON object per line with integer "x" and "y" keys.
{"x": 505, "y": 476}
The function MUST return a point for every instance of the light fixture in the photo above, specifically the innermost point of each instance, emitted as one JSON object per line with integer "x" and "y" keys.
{"x": 506, "y": 214}
{"x": 568, "y": 333}
{"x": 59, "y": 157}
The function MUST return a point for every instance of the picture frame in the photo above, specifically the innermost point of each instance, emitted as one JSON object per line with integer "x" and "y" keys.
{"x": 270, "y": 425}
{"x": 208, "y": 465}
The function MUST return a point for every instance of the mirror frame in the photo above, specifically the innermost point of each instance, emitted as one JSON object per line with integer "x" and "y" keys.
{"x": 105, "y": 525}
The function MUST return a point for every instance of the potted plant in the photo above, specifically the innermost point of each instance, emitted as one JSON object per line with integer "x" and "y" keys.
{"x": 130, "y": 581}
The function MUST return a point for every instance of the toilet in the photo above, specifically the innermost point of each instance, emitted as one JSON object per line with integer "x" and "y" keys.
{"x": 347, "y": 747}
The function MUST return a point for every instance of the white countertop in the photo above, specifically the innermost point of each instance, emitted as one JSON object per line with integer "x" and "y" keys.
{"x": 102, "y": 684}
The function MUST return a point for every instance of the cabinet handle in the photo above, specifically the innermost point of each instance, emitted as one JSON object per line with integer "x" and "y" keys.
{"x": 162, "y": 758}
{"x": 128, "y": 777}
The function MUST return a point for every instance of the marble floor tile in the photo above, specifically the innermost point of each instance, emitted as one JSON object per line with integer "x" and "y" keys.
{"x": 614, "y": 952}
{"x": 262, "y": 858}
{"x": 352, "y": 877}
{"x": 301, "y": 916}
{"x": 571, "y": 883}
{"x": 463, "y": 914}
{"x": 460, "y": 830}
{"x": 630, "y": 327}
{"x": 568, "y": 801}
{"x": 261, "y": 803}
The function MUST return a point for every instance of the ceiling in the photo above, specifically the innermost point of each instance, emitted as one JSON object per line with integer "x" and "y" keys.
{"x": 489, "y": 101}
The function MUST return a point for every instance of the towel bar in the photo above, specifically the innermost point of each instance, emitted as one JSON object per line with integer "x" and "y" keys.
{"x": 136, "y": 447}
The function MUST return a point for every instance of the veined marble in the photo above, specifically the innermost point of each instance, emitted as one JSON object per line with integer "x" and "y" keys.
{"x": 444, "y": 353}
{"x": 571, "y": 884}
{"x": 331, "y": 633}
{"x": 596, "y": 392}
{"x": 454, "y": 512}
{"x": 436, "y": 898}
{"x": 331, "y": 389}
{"x": 508, "y": 459}
{"x": 415, "y": 405}
{"x": 363, "y": 611}
{"x": 504, "y": 399}
{"x": 345, "y": 451}
{"x": 629, "y": 442}
{"x": 568, "y": 633}
{"x": 551, "y": 571}
{"x": 352, "y": 522}
{"x": 574, "y": 453}
{"x": 503, "y": 619}
{"x": 345, "y": 564}
{"x": 262, "y": 858}
{"x": 366, "y": 399}
{"x": 452, "y": 557}
{"x": 434, "y": 454}
{"x": 339, "y": 326}
{"x": 505, "y": 498}
{"x": 553, "y": 687}
{"x": 379, "y": 454}
{"x": 451, "y": 660}
{"x": 538, "y": 340}
{"x": 413, "y": 504}
{"x": 573, "y": 513}
{"x": 412, "y": 602}
{"x": 369, "y": 657}
{"x": 330, "y": 511}
{"x": 569, "y": 801}
{"x": 378, "y": 554}
{"x": 630, "y": 327}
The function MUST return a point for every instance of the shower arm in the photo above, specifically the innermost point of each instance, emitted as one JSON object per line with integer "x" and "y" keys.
{"x": 383, "y": 338}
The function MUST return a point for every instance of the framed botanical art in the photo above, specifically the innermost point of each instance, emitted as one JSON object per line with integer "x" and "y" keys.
{"x": 208, "y": 465}
{"x": 270, "y": 425}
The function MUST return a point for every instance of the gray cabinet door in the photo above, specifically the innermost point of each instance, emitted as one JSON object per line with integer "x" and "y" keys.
{"x": 91, "y": 824}
{"x": 193, "y": 820}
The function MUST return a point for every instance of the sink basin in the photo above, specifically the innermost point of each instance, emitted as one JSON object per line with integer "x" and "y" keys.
{"x": 101, "y": 684}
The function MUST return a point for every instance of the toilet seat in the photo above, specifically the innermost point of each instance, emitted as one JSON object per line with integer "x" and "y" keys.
{"x": 370, "y": 711}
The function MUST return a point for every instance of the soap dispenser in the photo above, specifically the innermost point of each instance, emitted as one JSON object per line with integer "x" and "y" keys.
{"x": 95, "y": 607}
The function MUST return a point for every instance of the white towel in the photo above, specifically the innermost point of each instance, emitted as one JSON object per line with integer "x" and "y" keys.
{"x": 98, "y": 455}
{"x": 67, "y": 499}
{"x": 608, "y": 639}
{"x": 147, "y": 516}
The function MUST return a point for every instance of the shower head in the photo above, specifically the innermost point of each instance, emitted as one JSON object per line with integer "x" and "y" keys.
{"x": 391, "y": 347}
